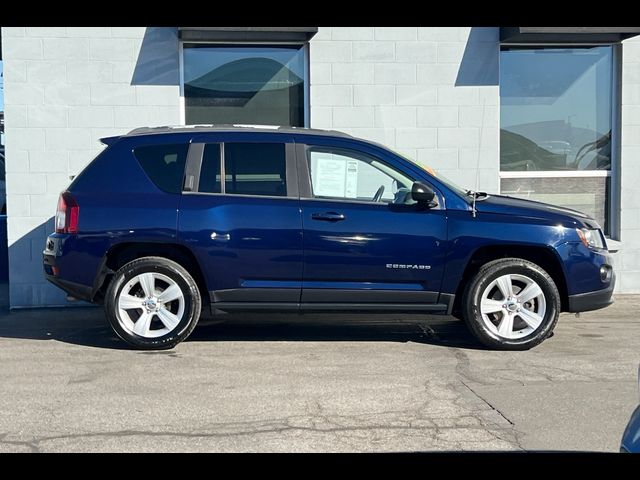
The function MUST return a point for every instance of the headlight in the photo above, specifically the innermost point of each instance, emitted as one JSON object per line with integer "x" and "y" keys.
{"x": 590, "y": 238}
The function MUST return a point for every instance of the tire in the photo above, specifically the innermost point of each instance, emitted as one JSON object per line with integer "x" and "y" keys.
{"x": 488, "y": 313}
{"x": 164, "y": 323}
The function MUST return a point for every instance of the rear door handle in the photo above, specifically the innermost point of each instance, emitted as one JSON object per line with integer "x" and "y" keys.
{"x": 328, "y": 216}
{"x": 225, "y": 237}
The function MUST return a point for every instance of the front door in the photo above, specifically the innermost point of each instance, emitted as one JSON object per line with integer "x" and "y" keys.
{"x": 240, "y": 215}
{"x": 365, "y": 240}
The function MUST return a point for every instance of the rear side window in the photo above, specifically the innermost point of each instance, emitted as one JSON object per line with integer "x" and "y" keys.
{"x": 210, "y": 169}
{"x": 249, "y": 169}
{"x": 255, "y": 169}
{"x": 164, "y": 164}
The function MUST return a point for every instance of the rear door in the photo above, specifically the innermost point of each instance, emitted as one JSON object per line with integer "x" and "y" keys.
{"x": 240, "y": 215}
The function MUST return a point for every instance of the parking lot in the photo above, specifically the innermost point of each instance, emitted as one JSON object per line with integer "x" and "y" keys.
{"x": 259, "y": 385}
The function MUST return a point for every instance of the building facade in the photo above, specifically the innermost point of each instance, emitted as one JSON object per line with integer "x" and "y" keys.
{"x": 536, "y": 112}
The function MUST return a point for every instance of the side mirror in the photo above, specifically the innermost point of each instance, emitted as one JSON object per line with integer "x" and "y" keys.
{"x": 424, "y": 194}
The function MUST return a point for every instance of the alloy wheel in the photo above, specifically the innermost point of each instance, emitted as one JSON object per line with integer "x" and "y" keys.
{"x": 151, "y": 305}
{"x": 513, "y": 306}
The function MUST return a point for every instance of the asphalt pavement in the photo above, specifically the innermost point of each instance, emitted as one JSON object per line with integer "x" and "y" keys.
{"x": 288, "y": 383}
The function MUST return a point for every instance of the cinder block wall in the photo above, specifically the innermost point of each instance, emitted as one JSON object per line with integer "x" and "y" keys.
{"x": 430, "y": 92}
{"x": 65, "y": 88}
{"x": 628, "y": 260}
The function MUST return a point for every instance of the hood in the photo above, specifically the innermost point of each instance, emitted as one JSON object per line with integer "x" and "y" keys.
{"x": 504, "y": 205}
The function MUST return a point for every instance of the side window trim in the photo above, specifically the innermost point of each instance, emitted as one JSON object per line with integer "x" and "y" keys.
{"x": 223, "y": 170}
{"x": 194, "y": 167}
{"x": 291, "y": 166}
{"x": 304, "y": 174}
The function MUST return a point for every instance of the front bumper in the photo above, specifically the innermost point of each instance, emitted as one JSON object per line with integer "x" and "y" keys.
{"x": 586, "y": 302}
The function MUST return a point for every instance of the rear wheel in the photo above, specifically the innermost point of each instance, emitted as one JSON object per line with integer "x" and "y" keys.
{"x": 153, "y": 303}
{"x": 511, "y": 304}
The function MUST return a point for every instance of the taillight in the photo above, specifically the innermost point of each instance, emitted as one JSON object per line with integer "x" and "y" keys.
{"x": 67, "y": 214}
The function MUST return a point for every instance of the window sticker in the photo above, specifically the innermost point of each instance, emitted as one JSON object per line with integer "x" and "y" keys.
{"x": 351, "y": 182}
{"x": 330, "y": 177}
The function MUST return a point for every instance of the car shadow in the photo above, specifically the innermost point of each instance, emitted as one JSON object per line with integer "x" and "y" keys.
{"x": 87, "y": 326}
{"x": 327, "y": 328}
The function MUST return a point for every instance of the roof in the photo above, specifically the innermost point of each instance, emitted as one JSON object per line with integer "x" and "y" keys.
{"x": 567, "y": 34}
{"x": 235, "y": 128}
{"x": 247, "y": 34}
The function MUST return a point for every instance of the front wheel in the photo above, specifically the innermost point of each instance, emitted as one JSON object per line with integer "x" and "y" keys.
{"x": 511, "y": 304}
{"x": 153, "y": 303}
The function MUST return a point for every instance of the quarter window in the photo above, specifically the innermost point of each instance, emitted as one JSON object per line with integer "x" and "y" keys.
{"x": 164, "y": 164}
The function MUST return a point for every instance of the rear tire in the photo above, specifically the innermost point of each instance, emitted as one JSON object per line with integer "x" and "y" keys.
{"x": 153, "y": 303}
{"x": 511, "y": 304}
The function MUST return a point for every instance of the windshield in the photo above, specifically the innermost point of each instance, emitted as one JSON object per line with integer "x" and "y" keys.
{"x": 449, "y": 183}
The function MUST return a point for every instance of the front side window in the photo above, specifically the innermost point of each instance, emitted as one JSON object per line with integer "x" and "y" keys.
{"x": 249, "y": 169}
{"x": 556, "y": 117}
{"x": 257, "y": 85}
{"x": 347, "y": 175}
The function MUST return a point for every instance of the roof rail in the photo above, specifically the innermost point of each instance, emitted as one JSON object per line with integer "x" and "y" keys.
{"x": 228, "y": 128}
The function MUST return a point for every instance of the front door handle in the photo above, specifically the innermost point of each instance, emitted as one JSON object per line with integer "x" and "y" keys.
{"x": 328, "y": 216}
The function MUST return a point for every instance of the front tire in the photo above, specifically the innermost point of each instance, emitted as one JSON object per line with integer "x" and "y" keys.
{"x": 511, "y": 304}
{"x": 153, "y": 303}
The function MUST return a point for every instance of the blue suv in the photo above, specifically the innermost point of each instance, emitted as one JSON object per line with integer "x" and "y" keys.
{"x": 167, "y": 224}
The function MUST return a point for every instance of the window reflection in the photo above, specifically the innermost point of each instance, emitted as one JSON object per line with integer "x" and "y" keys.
{"x": 246, "y": 85}
{"x": 556, "y": 109}
{"x": 588, "y": 195}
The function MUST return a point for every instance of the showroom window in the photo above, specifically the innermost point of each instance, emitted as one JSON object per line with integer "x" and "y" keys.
{"x": 245, "y": 84}
{"x": 558, "y": 128}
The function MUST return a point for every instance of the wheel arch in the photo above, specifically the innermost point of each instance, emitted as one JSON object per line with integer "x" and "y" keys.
{"x": 120, "y": 254}
{"x": 545, "y": 257}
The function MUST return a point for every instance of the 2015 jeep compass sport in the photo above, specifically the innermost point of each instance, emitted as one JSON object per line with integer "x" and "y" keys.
{"x": 167, "y": 222}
